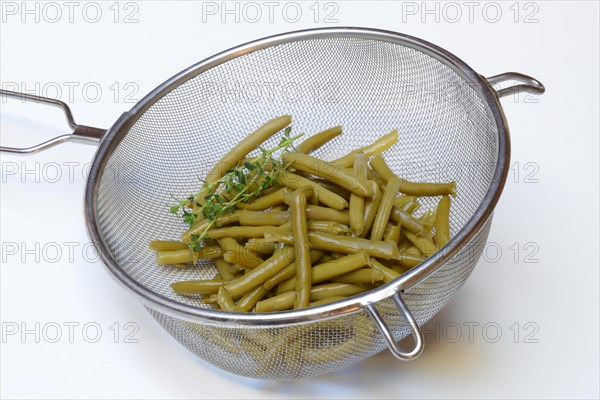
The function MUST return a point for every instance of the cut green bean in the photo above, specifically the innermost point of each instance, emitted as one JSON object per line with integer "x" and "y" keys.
{"x": 237, "y": 254}
{"x": 340, "y": 191}
{"x": 392, "y": 232}
{"x": 331, "y": 172}
{"x": 258, "y": 245}
{"x": 209, "y": 299}
{"x": 301, "y": 248}
{"x": 371, "y": 207}
{"x": 321, "y": 292}
{"x": 328, "y": 300}
{"x": 407, "y": 221}
{"x": 326, "y": 197}
{"x": 260, "y": 218}
{"x": 318, "y": 140}
{"x": 385, "y": 209}
{"x": 329, "y": 270}
{"x": 204, "y": 224}
{"x": 357, "y": 203}
{"x": 403, "y": 200}
{"x": 281, "y": 302}
{"x": 442, "y": 222}
{"x": 428, "y": 189}
{"x": 363, "y": 275}
{"x": 378, "y": 146}
{"x": 412, "y": 188}
{"x": 249, "y": 300}
{"x": 224, "y": 269}
{"x": 411, "y": 257}
{"x": 327, "y": 214}
{"x": 290, "y": 271}
{"x": 240, "y": 232}
{"x": 224, "y": 300}
{"x": 424, "y": 245}
{"x": 167, "y": 245}
{"x": 388, "y": 273}
{"x": 266, "y": 201}
{"x": 341, "y": 244}
{"x": 253, "y": 278}
{"x": 186, "y": 256}
{"x": 202, "y": 286}
{"x": 327, "y": 226}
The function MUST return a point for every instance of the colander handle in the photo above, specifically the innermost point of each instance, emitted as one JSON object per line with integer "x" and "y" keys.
{"x": 397, "y": 351}
{"x": 81, "y": 133}
{"x": 527, "y": 84}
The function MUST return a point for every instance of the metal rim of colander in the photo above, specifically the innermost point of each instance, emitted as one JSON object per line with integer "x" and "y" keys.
{"x": 348, "y": 306}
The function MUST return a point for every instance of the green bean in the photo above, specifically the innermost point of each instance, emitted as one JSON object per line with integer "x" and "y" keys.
{"x": 428, "y": 189}
{"x": 259, "y": 218}
{"x": 442, "y": 222}
{"x": 392, "y": 232}
{"x": 329, "y": 171}
{"x": 202, "y": 286}
{"x": 240, "y": 151}
{"x": 340, "y": 191}
{"x": 374, "y": 176}
{"x": 411, "y": 257}
{"x": 327, "y": 214}
{"x": 224, "y": 300}
{"x": 335, "y": 289}
{"x": 327, "y": 226}
{"x": 403, "y": 200}
{"x": 385, "y": 209}
{"x": 388, "y": 273}
{"x": 378, "y": 146}
{"x": 237, "y": 254}
{"x": 240, "y": 232}
{"x": 224, "y": 269}
{"x": 424, "y": 245}
{"x": 341, "y": 244}
{"x": 253, "y": 278}
{"x": 284, "y": 301}
{"x": 266, "y": 201}
{"x": 185, "y": 256}
{"x": 301, "y": 248}
{"x": 249, "y": 300}
{"x": 407, "y": 221}
{"x": 357, "y": 203}
{"x": 209, "y": 299}
{"x": 167, "y": 245}
{"x": 329, "y": 270}
{"x": 323, "y": 226}
{"x": 202, "y": 225}
{"x": 290, "y": 271}
{"x": 412, "y": 188}
{"x": 319, "y": 139}
{"x": 371, "y": 207}
{"x": 326, "y": 301}
{"x": 258, "y": 245}
{"x": 363, "y": 275}
{"x": 428, "y": 220}
{"x": 326, "y": 197}
{"x": 380, "y": 166}
{"x": 411, "y": 207}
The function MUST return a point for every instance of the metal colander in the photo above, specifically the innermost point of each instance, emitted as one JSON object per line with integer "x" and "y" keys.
{"x": 451, "y": 127}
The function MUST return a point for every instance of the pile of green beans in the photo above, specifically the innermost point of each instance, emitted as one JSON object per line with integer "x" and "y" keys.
{"x": 324, "y": 231}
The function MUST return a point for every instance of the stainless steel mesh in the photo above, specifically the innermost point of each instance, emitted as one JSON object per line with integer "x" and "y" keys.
{"x": 369, "y": 87}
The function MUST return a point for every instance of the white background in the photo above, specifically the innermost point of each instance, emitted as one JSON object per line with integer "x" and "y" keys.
{"x": 543, "y": 298}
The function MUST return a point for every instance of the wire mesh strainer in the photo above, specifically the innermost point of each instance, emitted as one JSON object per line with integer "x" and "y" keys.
{"x": 451, "y": 127}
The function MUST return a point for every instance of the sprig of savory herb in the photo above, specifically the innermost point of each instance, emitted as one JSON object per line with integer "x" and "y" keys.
{"x": 238, "y": 185}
